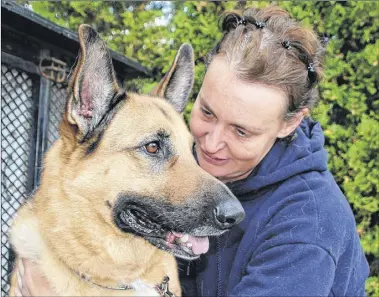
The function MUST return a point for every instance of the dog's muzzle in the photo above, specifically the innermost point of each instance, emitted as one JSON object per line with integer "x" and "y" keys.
{"x": 182, "y": 230}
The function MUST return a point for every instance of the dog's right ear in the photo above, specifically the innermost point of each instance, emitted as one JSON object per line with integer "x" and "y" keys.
{"x": 93, "y": 89}
{"x": 177, "y": 84}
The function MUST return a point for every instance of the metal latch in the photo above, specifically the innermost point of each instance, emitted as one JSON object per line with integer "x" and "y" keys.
{"x": 53, "y": 69}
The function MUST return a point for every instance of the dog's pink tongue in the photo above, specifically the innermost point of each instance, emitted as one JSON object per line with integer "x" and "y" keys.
{"x": 200, "y": 245}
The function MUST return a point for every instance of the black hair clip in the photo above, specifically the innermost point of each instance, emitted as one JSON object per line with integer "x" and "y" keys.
{"x": 241, "y": 21}
{"x": 311, "y": 67}
{"x": 286, "y": 44}
{"x": 260, "y": 25}
{"x": 312, "y": 75}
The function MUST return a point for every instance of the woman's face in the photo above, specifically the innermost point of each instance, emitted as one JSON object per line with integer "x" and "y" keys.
{"x": 235, "y": 123}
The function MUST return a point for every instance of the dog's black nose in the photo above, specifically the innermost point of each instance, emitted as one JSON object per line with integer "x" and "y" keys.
{"x": 228, "y": 213}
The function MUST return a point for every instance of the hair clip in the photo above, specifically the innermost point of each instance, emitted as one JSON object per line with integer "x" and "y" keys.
{"x": 260, "y": 25}
{"x": 241, "y": 21}
{"x": 312, "y": 75}
{"x": 311, "y": 67}
{"x": 286, "y": 44}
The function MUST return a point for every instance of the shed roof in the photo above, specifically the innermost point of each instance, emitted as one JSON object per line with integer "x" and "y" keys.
{"x": 22, "y": 19}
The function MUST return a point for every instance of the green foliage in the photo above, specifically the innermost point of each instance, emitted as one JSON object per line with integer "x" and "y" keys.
{"x": 151, "y": 32}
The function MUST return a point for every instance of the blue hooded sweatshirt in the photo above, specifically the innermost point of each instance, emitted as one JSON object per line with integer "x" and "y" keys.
{"x": 299, "y": 235}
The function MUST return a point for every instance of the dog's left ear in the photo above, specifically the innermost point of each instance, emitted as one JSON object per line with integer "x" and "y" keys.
{"x": 93, "y": 86}
{"x": 177, "y": 84}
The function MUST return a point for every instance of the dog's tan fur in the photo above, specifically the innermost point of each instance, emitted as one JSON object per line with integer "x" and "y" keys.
{"x": 67, "y": 227}
{"x": 48, "y": 228}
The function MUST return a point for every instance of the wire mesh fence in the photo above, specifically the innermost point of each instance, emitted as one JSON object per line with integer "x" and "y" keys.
{"x": 56, "y": 108}
{"x": 17, "y": 121}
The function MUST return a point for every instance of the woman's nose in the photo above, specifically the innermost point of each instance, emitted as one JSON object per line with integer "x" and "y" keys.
{"x": 214, "y": 140}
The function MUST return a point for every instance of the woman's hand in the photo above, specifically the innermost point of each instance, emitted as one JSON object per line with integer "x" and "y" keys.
{"x": 30, "y": 280}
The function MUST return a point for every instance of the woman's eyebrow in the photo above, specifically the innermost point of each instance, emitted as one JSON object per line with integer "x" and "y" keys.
{"x": 205, "y": 104}
{"x": 248, "y": 128}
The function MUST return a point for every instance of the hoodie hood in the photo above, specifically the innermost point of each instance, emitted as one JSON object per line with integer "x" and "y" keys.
{"x": 286, "y": 159}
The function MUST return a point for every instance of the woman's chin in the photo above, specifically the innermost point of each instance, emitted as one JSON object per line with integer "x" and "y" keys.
{"x": 223, "y": 174}
{"x": 216, "y": 171}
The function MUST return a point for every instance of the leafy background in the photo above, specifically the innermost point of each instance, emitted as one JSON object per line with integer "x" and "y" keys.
{"x": 150, "y": 32}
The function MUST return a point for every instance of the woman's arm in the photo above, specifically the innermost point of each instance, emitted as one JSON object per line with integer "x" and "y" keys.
{"x": 30, "y": 280}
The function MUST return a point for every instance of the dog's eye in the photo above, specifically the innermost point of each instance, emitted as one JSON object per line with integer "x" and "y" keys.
{"x": 152, "y": 147}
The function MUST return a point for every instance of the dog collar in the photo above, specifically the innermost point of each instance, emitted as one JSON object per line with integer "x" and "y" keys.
{"x": 161, "y": 288}
{"x": 118, "y": 287}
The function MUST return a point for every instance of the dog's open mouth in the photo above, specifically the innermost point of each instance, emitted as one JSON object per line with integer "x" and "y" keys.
{"x": 181, "y": 245}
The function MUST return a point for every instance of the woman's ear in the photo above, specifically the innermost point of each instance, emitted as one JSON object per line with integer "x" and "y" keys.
{"x": 290, "y": 125}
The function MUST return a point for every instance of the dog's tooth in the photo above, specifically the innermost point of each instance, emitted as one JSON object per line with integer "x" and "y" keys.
{"x": 189, "y": 244}
{"x": 184, "y": 239}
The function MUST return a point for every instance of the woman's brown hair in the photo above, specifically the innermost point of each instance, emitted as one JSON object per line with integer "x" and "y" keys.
{"x": 267, "y": 46}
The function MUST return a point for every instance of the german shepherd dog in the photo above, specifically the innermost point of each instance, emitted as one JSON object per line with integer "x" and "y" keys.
{"x": 121, "y": 194}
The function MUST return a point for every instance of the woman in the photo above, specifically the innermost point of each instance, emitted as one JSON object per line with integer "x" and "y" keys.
{"x": 252, "y": 132}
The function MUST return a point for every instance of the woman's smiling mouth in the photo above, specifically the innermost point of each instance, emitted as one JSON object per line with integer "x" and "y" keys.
{"x": 213, "y": 160}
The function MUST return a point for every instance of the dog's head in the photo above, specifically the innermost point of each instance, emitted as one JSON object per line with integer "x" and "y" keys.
{"x": 128, "y": 157}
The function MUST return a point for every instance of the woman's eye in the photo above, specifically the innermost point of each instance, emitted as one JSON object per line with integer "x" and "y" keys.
{"x": 241, "y": 132}
{"x": 207, "y": 113}
{"x": 152, "y": 147}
